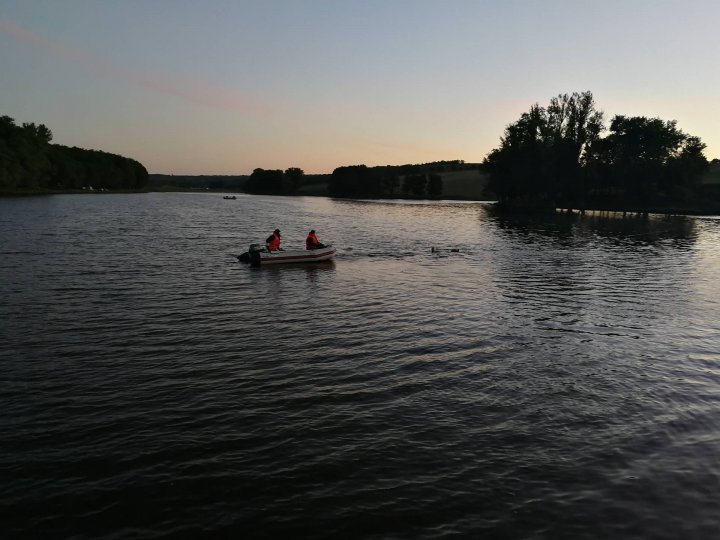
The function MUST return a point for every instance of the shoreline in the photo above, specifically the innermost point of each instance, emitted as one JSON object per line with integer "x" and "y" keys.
{"x": 632, "y": 211}
{"x": 44, "y": 192}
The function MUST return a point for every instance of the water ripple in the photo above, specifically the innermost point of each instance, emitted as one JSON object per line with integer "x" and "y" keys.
{"x": 451, "y": 373}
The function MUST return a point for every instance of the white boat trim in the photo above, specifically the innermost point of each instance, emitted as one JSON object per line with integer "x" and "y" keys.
{"x": 297, "y": 255}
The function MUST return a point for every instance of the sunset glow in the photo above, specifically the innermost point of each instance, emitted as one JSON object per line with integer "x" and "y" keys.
{"x": 225, "y": 87}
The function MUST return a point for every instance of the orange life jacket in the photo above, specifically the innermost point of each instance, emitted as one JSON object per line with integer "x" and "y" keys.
{"x": 274, "y": 242}
{"x": 311, "y": 242}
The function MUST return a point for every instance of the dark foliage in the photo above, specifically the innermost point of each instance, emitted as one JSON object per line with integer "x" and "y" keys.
{"x": 434, "y": 186}
{"x": 555, "y": 157}
{"x": 28, "y": 162}
{"x": 355, "y": 181}
{"x": 390, "y": 181}
{"x": 646, "y": 160}
{"x": 275, "y": 182}
{"x": 414, "y": 185}
{"x": 540, "y": 158}
{"x": 76, "y": 168}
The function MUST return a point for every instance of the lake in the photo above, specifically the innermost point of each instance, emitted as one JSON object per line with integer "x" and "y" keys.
{"x": 451, "y": 373}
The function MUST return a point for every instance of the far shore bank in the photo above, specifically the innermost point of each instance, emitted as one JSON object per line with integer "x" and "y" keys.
{"x": 627, "y": 211}
{"x": 44, "y": 192}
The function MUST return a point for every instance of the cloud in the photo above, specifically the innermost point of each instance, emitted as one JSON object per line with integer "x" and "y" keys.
{"x": 189, "y": 88}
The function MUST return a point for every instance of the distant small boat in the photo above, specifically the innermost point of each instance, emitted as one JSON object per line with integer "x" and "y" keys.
{"x": 231, "y": 197}
{"x": 257, "y": 256}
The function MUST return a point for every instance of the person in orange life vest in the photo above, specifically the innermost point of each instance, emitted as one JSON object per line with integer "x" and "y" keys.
{"x": 272, "y": 243}
{"x": 311, "y": 242}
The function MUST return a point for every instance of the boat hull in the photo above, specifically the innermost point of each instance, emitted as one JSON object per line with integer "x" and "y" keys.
{"x": 297, "y": 256}
{"x": 258, "y": 257}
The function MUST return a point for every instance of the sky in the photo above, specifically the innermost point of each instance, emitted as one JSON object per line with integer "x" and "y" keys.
{"x": 227, "y": 86}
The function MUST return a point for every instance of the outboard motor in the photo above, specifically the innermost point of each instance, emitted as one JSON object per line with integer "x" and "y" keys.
{"x": 252, "y": 255}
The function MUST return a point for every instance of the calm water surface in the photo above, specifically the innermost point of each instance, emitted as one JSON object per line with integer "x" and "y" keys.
{"x": 551, "y": 378}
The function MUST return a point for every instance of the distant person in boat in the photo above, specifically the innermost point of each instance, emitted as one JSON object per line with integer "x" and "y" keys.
{"x": 272, "y": 243}
{"x": 311, "y": 242}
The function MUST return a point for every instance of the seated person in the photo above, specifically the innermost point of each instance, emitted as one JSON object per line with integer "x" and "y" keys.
{"x": 272, "y": 243}
{"x": 311, "y": 242}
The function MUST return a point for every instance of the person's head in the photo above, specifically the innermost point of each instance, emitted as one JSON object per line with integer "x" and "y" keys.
{"x": 277, "y": 231}
{"x": 312, "y": 232}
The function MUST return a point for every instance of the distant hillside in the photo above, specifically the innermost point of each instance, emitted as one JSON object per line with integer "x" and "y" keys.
{"x": 467, "y": 185}
{"x": 29, "y": 163}
{"x": 460, "y": 180}
{"x": 315, "y": 185}
{"x": 172, "y": 182}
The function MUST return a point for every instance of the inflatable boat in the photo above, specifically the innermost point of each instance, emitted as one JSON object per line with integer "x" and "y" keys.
{"x": 257, "y": 256}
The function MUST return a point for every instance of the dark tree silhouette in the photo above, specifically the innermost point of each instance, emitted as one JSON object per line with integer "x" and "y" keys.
{"x": 555, "y": 156}
{"x": 28, "y": 162}
{"x": 275, "y": 182}
{"x": 540, "y": 158}
{"x": 263, "y": 181}
{"x": 355, "y": 181}
{"x": 392, "y": 181}
{"x": 294, "y": 178}
{"x": 414, "y": 185}
{"x": 646, "y": 160}
{"x": 435, "y": 186}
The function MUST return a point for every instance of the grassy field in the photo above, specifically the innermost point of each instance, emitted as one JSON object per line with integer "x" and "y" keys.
{"x": 468, "y": 185}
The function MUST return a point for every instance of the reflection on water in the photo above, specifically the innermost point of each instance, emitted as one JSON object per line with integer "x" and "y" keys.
{"x": 310, "y": 272}
{"x": 614, "y": 226}
{"x": 451, "y": 372}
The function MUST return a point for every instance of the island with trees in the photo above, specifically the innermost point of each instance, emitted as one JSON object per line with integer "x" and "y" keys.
{"x": 29, "y": 164}
{"x": 557, "y": 157}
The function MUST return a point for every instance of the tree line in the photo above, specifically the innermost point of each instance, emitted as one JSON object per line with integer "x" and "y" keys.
{"x": 557, "y": 156}
{"x": 29, "y": 162}
{"x": 171, "y": 182}
{"x": 275, "y": 182}
{"x": 417, "y": 181}
{"x": 413, "y": 181}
